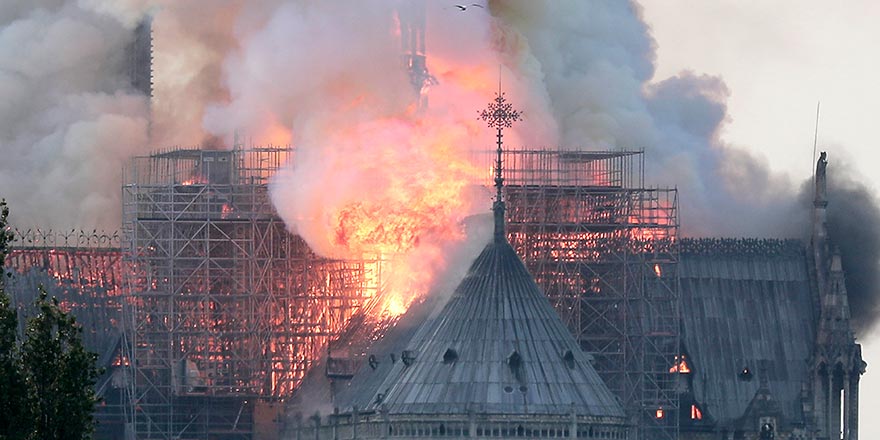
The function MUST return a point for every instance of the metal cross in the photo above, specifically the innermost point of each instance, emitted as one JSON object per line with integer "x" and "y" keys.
{"x": 500, "y": 113}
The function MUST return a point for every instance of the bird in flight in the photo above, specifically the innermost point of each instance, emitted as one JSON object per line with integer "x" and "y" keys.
{"x": 464, "y": 8}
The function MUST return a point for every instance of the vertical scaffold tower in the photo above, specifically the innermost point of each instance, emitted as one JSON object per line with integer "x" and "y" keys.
{"x": 604, "y": 249}
{"x": 227, "y": 308}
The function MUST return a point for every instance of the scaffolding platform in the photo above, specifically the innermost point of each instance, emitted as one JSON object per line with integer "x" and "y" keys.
{"x": 228, "y": 308}
{"x": 604, "y": 248}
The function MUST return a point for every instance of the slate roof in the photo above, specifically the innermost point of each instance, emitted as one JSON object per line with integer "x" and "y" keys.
{"x": 754, "y": 310}
{"x": 497, "y": 347}
{"x": 365, "y": 385}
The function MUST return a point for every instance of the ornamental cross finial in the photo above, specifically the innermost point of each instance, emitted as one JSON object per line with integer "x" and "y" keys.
{"x": 499, "y": 115}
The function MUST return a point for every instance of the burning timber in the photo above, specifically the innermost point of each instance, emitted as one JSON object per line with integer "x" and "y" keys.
{"x": 231, "y": 309}
{"x": 766, "y": 347}
{"x": 210, "y": 314}
{"x": 86, "y": 272}
{"x": 583, "y": 222}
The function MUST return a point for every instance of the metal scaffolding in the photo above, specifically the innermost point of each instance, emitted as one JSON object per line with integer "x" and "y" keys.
{"x": 225, "y": 310}
{"x": 228, "y": 309}
{"x": 604, "y": 249}
{"x": 84, "y": 271}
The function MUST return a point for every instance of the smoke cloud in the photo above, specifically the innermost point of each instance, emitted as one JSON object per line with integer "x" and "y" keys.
{"x": 596, "y": 72}
{"x": 588, "y": 84}
{"x": 326, "y": 77}
{"x": 374, "y": 174}
{"x": 195, "y": 40}
{"x": 67, "y": 119}
{"x": 596, "y": 69}
{"x": 70, "y": 120}
{"x": 853, "y": 216}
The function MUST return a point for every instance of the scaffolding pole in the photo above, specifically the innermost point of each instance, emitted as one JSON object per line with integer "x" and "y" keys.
{"x": 228, "y": 309}
{"x": 604, "y": 248}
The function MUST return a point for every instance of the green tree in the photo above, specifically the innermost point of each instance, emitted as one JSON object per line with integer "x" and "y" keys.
{"x": 60, "y": 374}
{"x": 15, "y": 419}
{"x": 46, "y": 382}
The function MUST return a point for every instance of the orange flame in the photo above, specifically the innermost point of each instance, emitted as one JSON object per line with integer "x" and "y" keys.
{"x": 226, "y": 210}
{"x": 196, "y": 179}
{"x": 391, "y": 226}
{"x": 381, "y": 177}
{"x": 696, "y": 414}
{"x": 407, "y": 205}
{"x": 681, "y": 366}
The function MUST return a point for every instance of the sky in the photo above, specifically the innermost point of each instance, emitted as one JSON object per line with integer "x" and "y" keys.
{"x": 778, "y": 60}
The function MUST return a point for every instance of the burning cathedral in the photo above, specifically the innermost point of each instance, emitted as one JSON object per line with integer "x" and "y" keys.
{"x": 718, "y": 338}
{"x": 586, "y": 315}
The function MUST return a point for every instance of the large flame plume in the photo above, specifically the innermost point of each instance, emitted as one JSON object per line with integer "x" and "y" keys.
{"x": 376, "y": 174}
{"x": 395, "y": 188}
{"x": 302, "y": 72}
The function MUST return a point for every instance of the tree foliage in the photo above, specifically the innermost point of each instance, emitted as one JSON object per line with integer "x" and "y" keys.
{"x": 14, "y": 409}
{"x": 60, "y": 374}
{"x": 46, "y": 381}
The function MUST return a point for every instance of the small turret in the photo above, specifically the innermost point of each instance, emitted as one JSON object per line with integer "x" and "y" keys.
{"x": 834, "y": 325}
{"x": 821, "y": 196}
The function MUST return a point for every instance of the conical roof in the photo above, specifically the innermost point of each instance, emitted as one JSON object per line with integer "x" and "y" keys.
{"x": 497, "y": 347}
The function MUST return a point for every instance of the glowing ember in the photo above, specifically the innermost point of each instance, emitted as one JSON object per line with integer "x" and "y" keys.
{"x": 696, "y": 414}
{"x": 396, "y": 306}
{"x": 226, "y": 211}
{"x": 657, "y": 270}
{"x": 194, "y": 180}
{"x": 681, "y": 366}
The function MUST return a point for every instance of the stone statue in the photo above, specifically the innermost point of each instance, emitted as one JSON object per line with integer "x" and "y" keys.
{"x": 821, "y": 186}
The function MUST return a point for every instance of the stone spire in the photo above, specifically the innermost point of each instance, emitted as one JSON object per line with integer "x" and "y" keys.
{"x": 837, "y": 359}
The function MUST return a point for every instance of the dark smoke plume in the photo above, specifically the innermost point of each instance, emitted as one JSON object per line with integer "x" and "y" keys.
{"x": 854, "y": 228}
{"x": 595, "y": 71}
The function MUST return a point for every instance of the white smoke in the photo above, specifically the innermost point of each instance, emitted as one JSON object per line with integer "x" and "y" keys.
{"x": 68, "y": 120}
{"x": 195, "y": 41}
{"x": 582, "y": 71}
{"x": 327, "y": 77}
{"x": 309, "y": 60}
